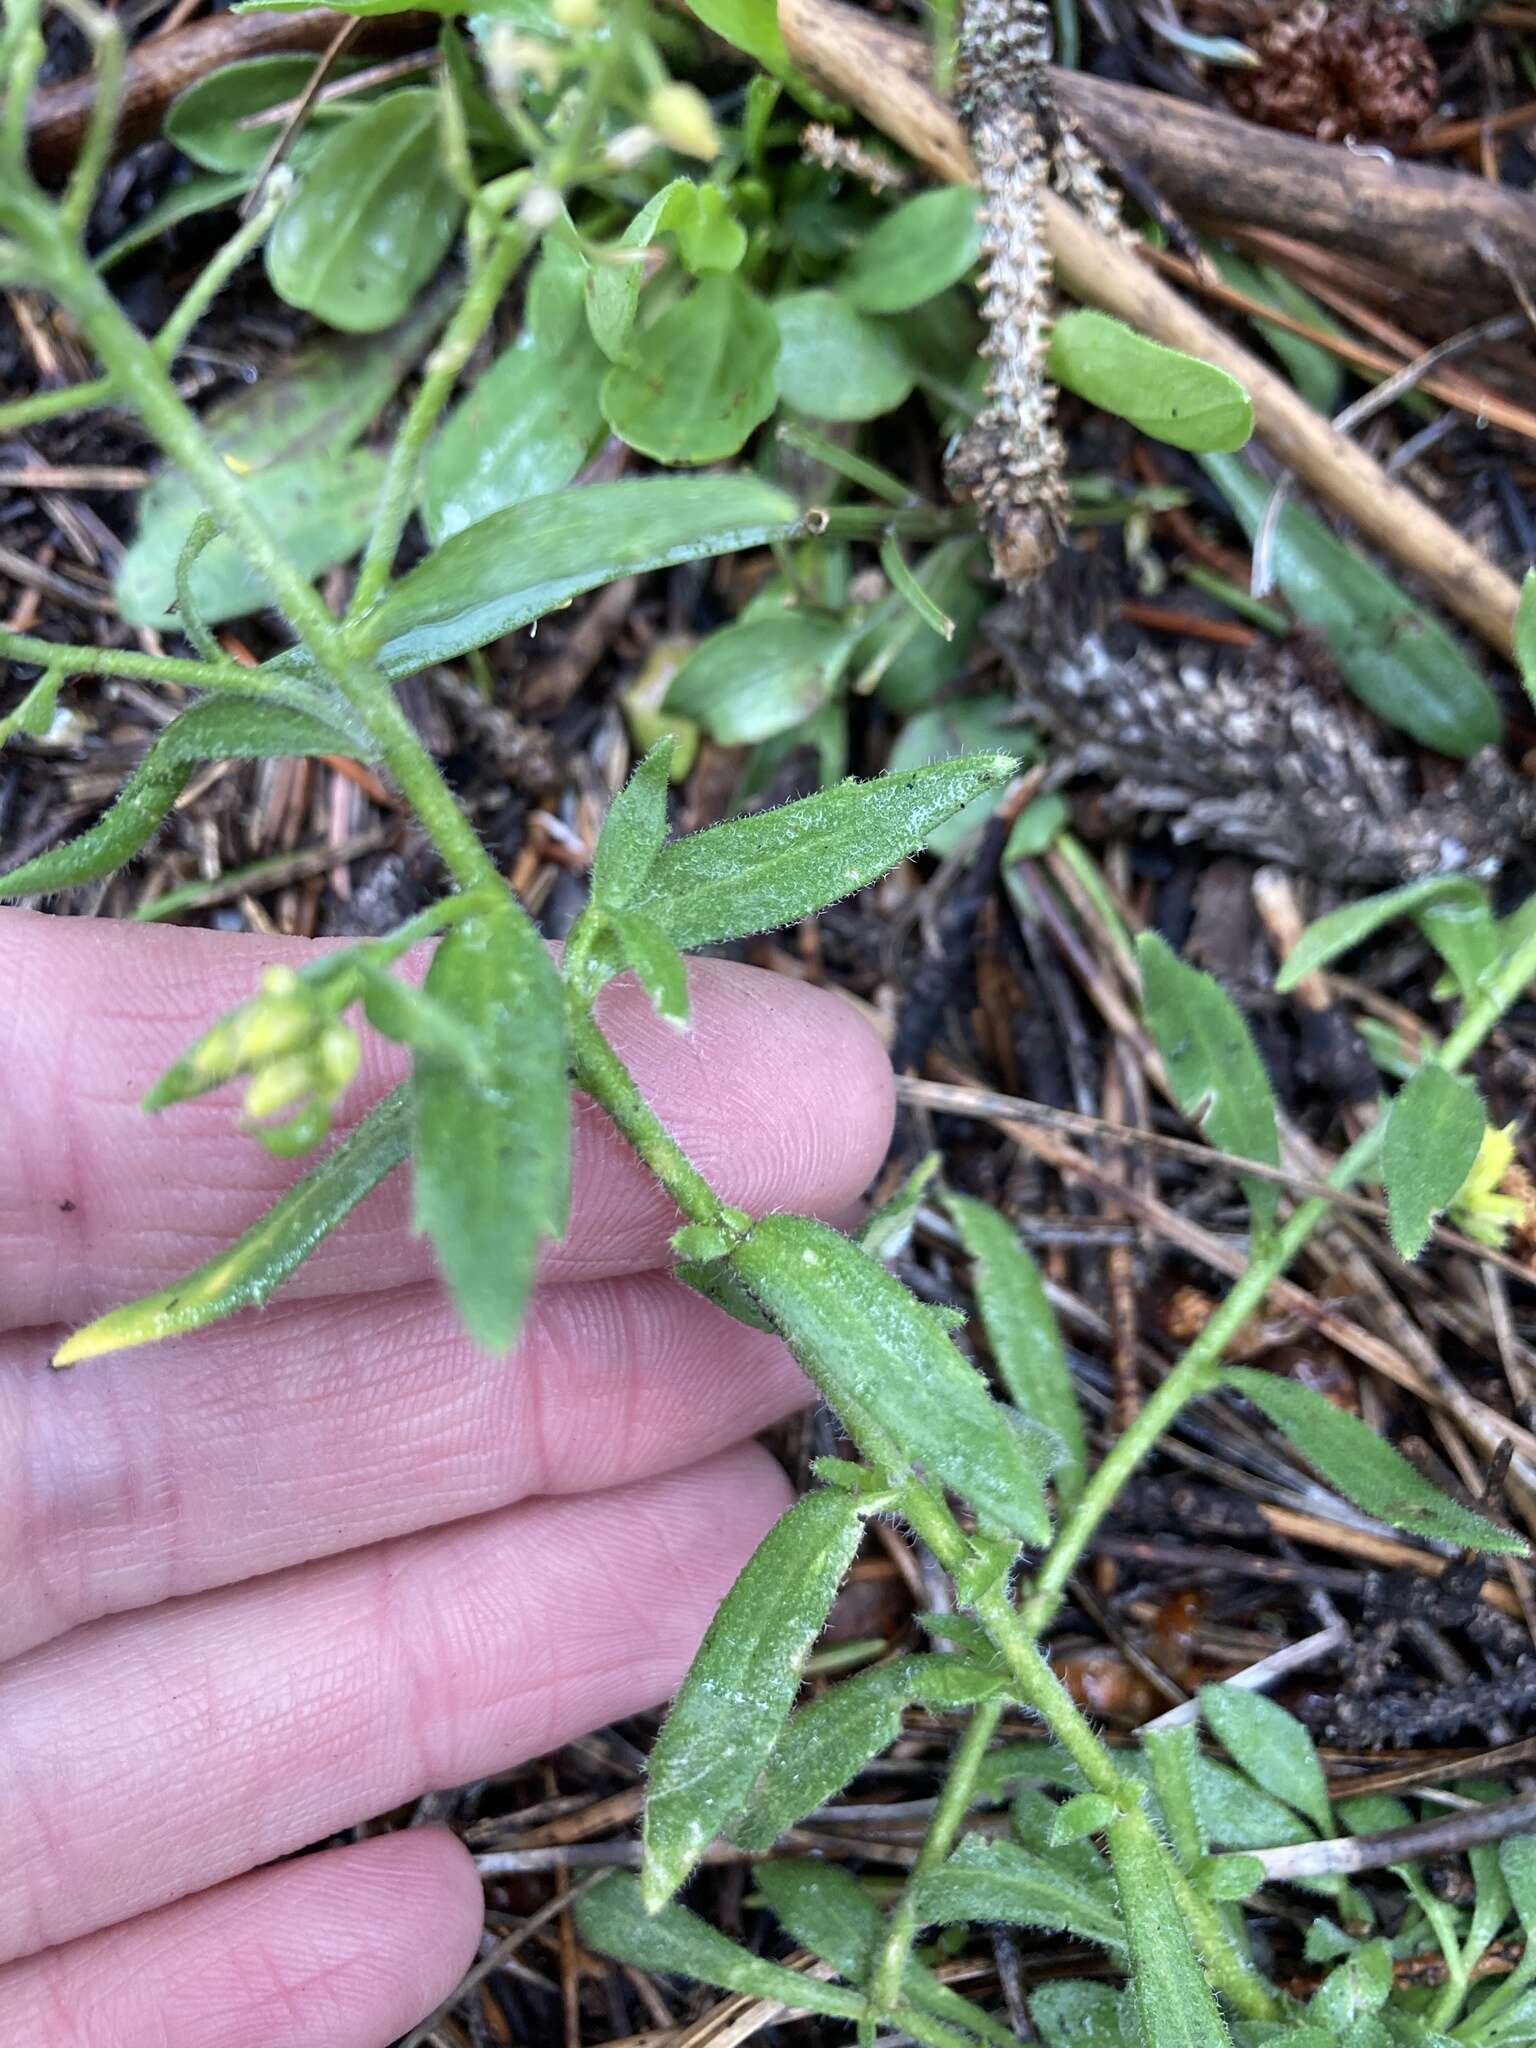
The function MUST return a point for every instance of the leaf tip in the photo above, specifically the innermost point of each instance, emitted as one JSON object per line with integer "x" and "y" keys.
{"x": 94, "y": 1341}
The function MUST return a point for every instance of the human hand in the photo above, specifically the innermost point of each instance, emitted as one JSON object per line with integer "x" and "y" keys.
{"x": 267, "y": 1581}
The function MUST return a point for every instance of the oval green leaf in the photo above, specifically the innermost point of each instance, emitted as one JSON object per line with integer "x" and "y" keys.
{"x": 492, "y": 1155}
{"x": 371, "y": 218}
{"x": 919, "y": 250}
{"x": 739, "y": 1690}
{"x": 836, "y": 364}
{"x": 889, "y": 1370}
{"x": 761, "y": 677}
{"x": 1355, "y": 1461}
{"x": 257, "y": 1264}
{"x": 204, "y": 121}
{"x": 1167, "y": 394}
{"x": 692, "y": 388}
{"x": 1434, "y": 1129}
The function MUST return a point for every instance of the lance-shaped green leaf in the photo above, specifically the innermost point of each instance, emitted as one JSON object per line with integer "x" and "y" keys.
{"x": 258, "y": 1263}
{"x": 1271, "y": 1745}
{"x": 1434, "y": 1130}
{"x": 513, "y": 567}
{"x": 882, "y": 1360}
{"x": 644, "y": 948}
{"x": 993, "y": 1880}
{"x": 735, "y": 1699}
{"x": 830, "y": 1741}
{"x": 1021, "y": 1329}
{"x": 1172, "y": 1755}
{"x": 1396, "y": 658}
{"x": 1356, "y": 1461}
{"x": 1172, "y": 1997}
{"x": 1172, "y": 396}
{"x": 634, "y": 831}
{"x": 1234, "y": 1814}
{"x": 1344, "y": 929}
{"x": 757, "y": 873}
{"x": 223, "y": 728}
{"x": 887, "y": 1231}
{"x": 829, "y": 1912}
{"x": 1213, "y": 1064}
{"x": 614, "y": 1920}
{"x": 493, "y": 1156}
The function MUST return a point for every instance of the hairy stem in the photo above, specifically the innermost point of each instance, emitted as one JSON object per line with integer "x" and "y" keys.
{"x": 949, "y": 1817}
{"x": 503, "y": 258}
{"x": 600, "y": 1072}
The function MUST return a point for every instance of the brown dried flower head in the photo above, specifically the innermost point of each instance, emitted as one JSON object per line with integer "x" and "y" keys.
{"x": 1332, "y": 74}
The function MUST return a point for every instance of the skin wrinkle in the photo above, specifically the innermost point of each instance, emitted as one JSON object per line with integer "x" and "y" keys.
{"x": 258, "y": 1470}
{"x": 302, "y": 1701}
{"x": 302, "y": 1941}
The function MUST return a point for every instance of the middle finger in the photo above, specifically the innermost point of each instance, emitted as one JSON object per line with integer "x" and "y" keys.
{"x": 315, "y": 1428}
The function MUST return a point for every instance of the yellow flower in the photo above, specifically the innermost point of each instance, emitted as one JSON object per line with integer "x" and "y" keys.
{"x": 1479, "y": 1208}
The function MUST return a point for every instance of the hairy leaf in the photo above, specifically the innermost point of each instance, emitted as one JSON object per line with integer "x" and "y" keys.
{"x": 1175, "y": 2002}
{"x": 734, "y": 1701}
{"x": 633, "y": 832}
{"x": 968, "y": 725}
{"x": 1075, "y": 2013}
{"x": 1271, "y": 1745}
{"x": 992, "y": 1880}
{"x": 257, "y": 1264}
{"x": 920, "y": 248}
{"x": 219, "y": 728}
{"x": 371, "y": 218}
{"x": 1213, "y": 1064}
{"x": 655, "y": 962}
{"x": 492, "y": 1156}
{"x": 830, "y": 1741}
{"x": 614, "y": 1920}
{"x": 754, "y": 874}
{"x": 692, "y": 388}
{"x": 1172, "y": 396}
{"x": 888, "y": 1369}
{"x": 829, "y": 1912}
{"x": 1356, "y": 1461}
{"x": 1234, "y": 1813}
{"x": 1434, "y": 1131}
{"x": 1022, "y": 1332}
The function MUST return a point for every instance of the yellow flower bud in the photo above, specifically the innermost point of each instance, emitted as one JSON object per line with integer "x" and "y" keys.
{"x": 577, "y": 17}
{"x": 338, "y": 1057}
{"x": 277, "y": 1086}
{"x": 681, "y": 117}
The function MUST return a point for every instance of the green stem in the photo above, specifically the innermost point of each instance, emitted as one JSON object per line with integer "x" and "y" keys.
{"x": 504, "y": 256}
{"x": 1036, "y": 1685}
{"x": 603, "y": 1075}
{"x": 220, "y": 268}
{"x": 949, "y": 1817}
{"x": 136, "y": 370}
{"x": 42, "y": 406}
{"x": 144, "y": 668}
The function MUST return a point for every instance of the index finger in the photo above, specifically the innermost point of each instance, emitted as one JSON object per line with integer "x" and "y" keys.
{"x": 779, "y": 1093}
